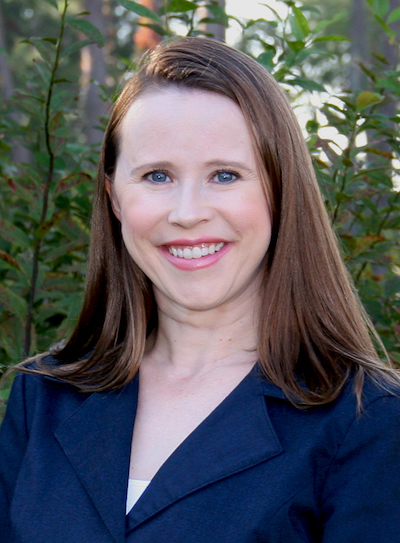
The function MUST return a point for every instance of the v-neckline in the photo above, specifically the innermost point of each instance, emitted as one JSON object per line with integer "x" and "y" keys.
{"x": 215, "y": 449}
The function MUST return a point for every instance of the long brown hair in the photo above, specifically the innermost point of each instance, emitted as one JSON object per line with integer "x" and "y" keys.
{"x": 313, "y": 331}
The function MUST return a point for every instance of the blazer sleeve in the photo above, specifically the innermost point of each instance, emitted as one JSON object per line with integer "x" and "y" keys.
{"x": 361, "y": 497}
{"x": 13, "y": 443}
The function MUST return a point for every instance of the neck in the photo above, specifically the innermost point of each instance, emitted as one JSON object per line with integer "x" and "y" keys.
{"x": 192, "y": 342}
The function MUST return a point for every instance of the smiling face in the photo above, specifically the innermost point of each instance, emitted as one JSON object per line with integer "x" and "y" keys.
{"x": 191, "y": 204}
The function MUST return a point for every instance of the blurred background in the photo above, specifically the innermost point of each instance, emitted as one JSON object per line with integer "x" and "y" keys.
{"x": 62, "y": 63}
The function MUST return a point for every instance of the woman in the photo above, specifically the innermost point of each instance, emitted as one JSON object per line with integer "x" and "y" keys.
{"x": 261, "y": 411}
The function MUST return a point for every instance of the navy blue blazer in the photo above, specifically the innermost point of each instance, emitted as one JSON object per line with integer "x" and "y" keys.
{"x": 256, "y": 470}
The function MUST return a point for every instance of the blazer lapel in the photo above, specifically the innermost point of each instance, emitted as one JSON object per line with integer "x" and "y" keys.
{"x": 96, "y": 439}
{"x": 237, "y": 435}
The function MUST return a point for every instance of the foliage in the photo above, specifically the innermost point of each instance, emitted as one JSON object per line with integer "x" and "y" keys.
{"x": 45, "y": 205}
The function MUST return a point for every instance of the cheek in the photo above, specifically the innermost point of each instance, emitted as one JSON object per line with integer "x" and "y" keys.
{"x": 253, "y": 216}
{"x": 139, "y": 219}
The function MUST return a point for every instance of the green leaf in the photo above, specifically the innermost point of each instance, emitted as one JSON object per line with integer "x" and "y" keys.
{"x": 45, "y": 226}
{"x": 381, "y": 7}
{"x": 307, "y": 84}
{"x": 157, "y": 28}
{"x": 11, "y": 337}
{"x": 333, "y": 37}
{"x": 75, "y": 47}
{"x": 394, "y": 16}
{"x": 390, "y": 84}
{"x": 140, "y": 10}
{"x": 72, "y": 180}
{"x": 44, "y": 47}
{"x": 299, "y": 24}
{"x": 381, "y": 58}
{"x": 323, "y": 24}
{"x": 369, "y": 72}
{"x": 392, "y": 287}
{"x": 87, "y": 28}
{"x": 52, "y": 3}
{"x": 391, "y": 33}
{"x": 13, "y": 234}
{"x": 180, "y": 6}
{"x": 50, "y": 40}
{"x": 9, "y": 260}
{"x": 367, "y": 98}
{"x": 296, "y": 46}
{"x": 395, "y": 357}
{"x": 13, "y": 303}
{"x": 218, "y": 13}
{"x": 266, "y": 59}
{"x": 61, "y": 80}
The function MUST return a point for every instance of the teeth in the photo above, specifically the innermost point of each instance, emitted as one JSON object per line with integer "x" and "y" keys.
{"x": 196, "y": 252}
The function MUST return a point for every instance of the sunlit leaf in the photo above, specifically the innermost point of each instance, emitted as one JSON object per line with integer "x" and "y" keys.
{"x": 299, "y": 24}
{"x": 394, "y": 16}
{"x": 140, "y": 10}
{"x": 367, "y": 98}
{"x": 307, "y": 84}
{"x": 333, "y": 37}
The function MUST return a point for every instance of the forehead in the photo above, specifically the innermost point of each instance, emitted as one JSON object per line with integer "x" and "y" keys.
{"x": 176, "y": 116}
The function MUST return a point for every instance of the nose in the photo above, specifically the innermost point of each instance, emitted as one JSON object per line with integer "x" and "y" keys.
{"x": 190, "y": 206}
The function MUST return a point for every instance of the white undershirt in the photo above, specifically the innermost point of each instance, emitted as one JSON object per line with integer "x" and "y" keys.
{"x": 136, "y": 487}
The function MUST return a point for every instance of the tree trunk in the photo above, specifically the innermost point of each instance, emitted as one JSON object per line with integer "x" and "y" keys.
{"x": 391, "y": 52}
{"x": 217, "y": 31}
{"x": 6, "y": 78}
{"x": 360, "y": 45}
{"x": 93, "y": 74}
{"x": 19, "y": 154}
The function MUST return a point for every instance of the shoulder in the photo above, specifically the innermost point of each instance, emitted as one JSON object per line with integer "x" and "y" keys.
{"x": 34, "y": 393}
{"x": 339, "y": 421}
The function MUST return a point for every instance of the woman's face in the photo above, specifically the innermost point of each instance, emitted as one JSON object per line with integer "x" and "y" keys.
{"x": 191, "y": 204}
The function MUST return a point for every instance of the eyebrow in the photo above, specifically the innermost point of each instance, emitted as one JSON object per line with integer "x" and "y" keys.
{"x": 212, "y": 163}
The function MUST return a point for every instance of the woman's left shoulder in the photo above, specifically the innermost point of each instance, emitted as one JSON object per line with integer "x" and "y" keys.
{"x": 376, "y": 389}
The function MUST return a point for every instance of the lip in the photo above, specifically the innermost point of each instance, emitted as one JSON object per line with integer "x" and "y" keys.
{"x": 194, "y": 264}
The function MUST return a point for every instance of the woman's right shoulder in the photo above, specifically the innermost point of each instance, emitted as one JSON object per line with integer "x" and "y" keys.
{"x": 33, "y": 391}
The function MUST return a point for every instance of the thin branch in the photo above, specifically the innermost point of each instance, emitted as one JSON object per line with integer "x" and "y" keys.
{"x": 47, "y": 185}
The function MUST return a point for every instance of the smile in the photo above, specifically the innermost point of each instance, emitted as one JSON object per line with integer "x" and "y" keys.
{"x": 198, "y": 251}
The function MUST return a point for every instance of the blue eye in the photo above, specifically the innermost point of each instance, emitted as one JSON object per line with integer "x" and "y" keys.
{"x": 158, "y": 177}
{"x": 225, "y": 177}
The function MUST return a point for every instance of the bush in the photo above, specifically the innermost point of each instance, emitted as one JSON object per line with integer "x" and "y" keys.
{"x": 45, "y": 205}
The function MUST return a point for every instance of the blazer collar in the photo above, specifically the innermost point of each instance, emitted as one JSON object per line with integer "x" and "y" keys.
{"x": 216, "y": 449}
{"x": 96, "y": 439}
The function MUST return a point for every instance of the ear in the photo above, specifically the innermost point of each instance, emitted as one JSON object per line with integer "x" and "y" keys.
{"x": 113, "y": 198}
